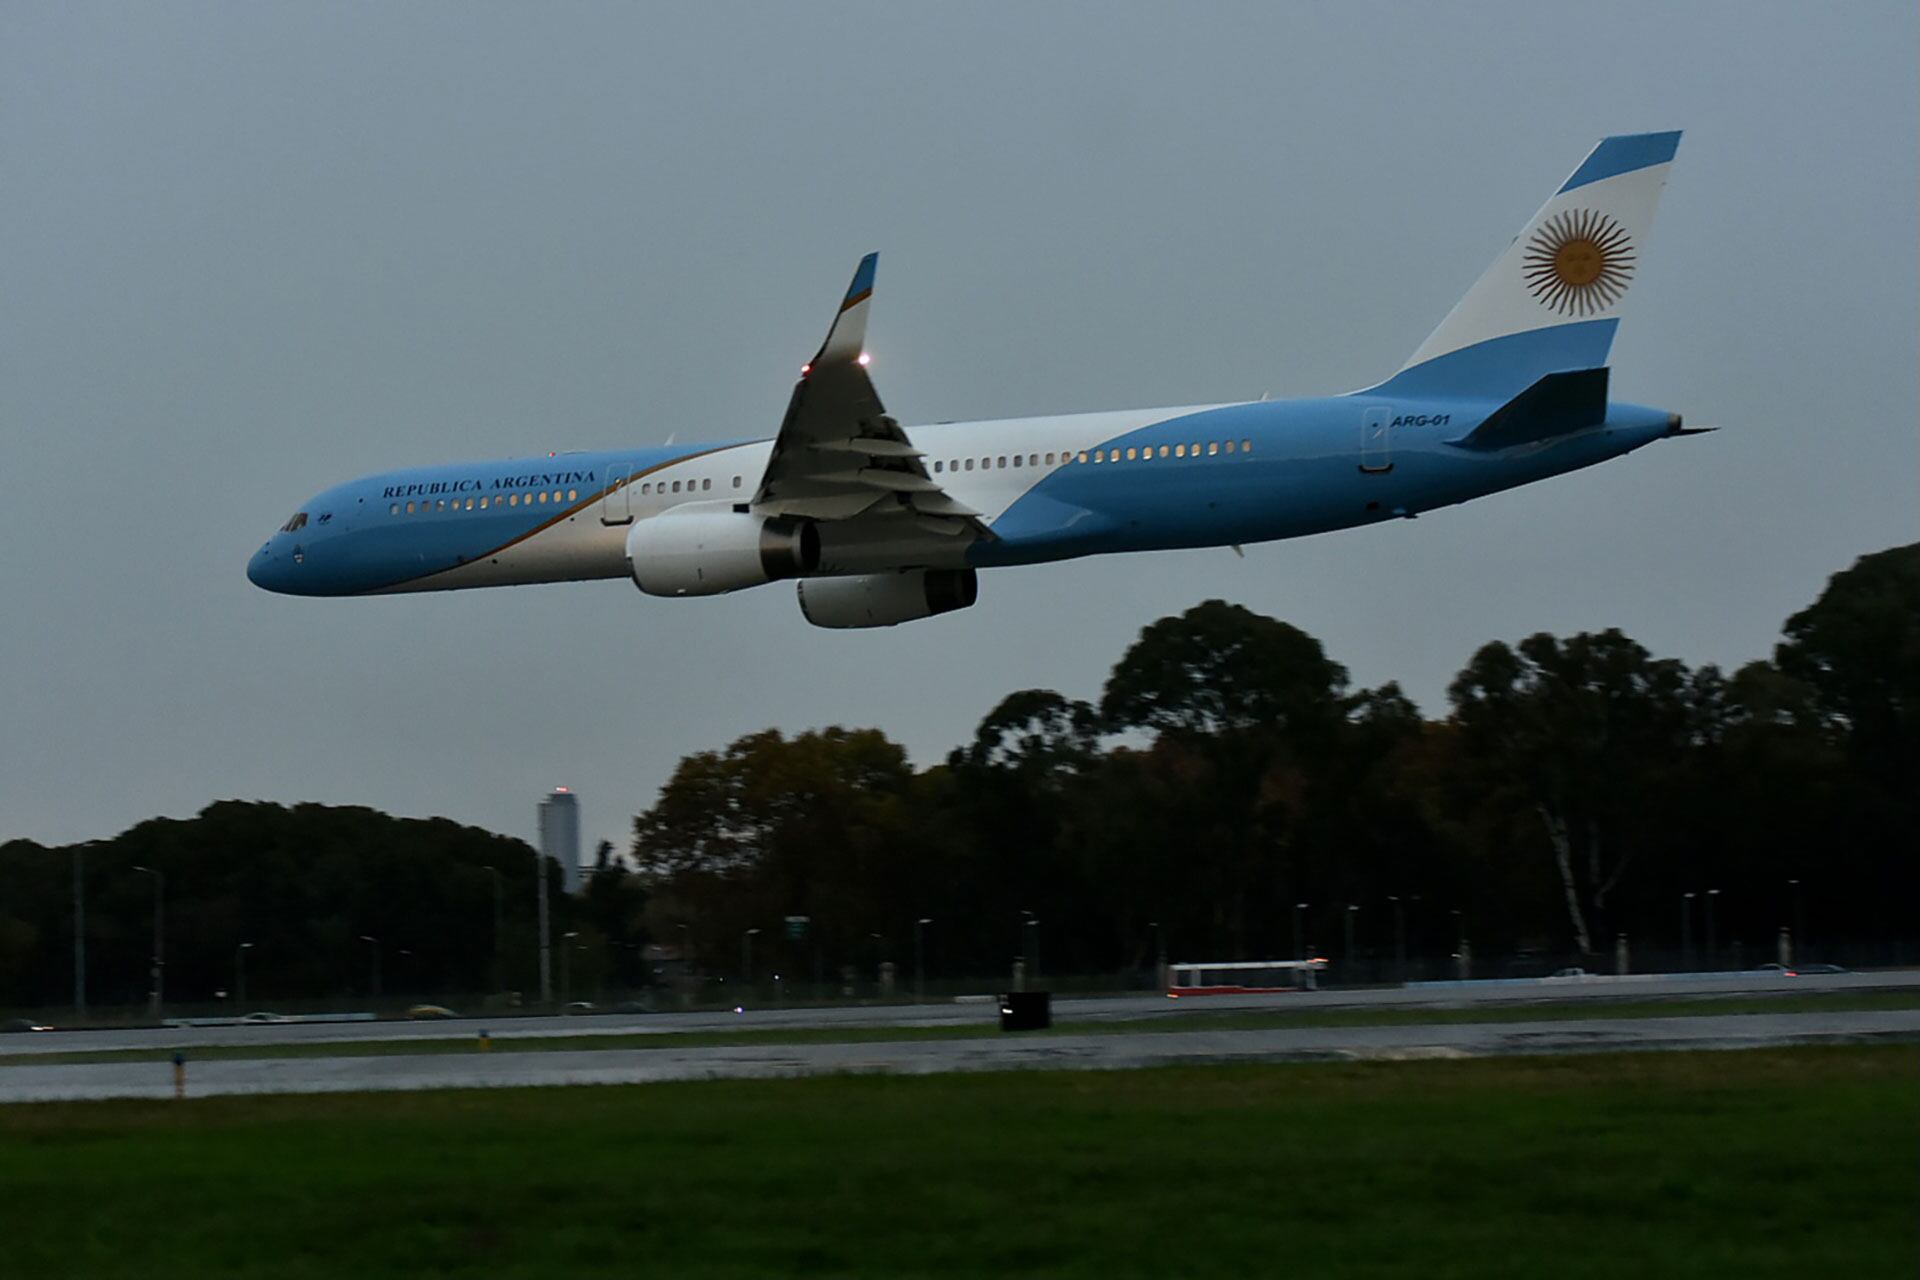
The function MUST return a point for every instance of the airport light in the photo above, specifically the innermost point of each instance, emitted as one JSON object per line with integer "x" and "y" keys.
{"x": 1799, "y": 923}
{"x": 373, "y": 946}
{"x": 157, "y": 993}
{"x": 1160, "y": 953}
{"x": 1713, "y": 933}
{"x": 1030, "y": 945}
{"x": 1299, "y": 947}
{"x": 566, "y": 965}
{"x": 1686, "y": 932}
{"x": 240, "y": 974}
{"x": 920, "y": 958}
{"x": 1352, "y": 966}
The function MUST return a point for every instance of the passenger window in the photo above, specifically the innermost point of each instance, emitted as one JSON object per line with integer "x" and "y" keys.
{"x": 1179, "y": 451}
{"x": 706, "y": 484}
{"x": 1016, "y": 459}
{"x": 1131, "y": 454}
{"x": 736, "y": 482}
{"x": 1033, "y": 459}
{"x": 646, "y": 488}
{"x": 1229, "y": 446}
{"x": 1213, "y": 447}
{"x": 938, "y": 467}
{"x": 1049, "y": 459}
{"x": 394, "y": 510}
{"x": 1099, "y": 455}
{"x": 1163, "y": 451}
{"x": 1083, "y": 455}
{"x": 573, "y": 495}
{"x": 409, "y": 508}
{"x": 969, "y": 464}
{"x": 1246, "y": 446}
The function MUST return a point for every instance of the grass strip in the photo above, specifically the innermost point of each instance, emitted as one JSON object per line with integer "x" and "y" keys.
{"x": 1185, "y": 1020}
{"x": 1761, "y": 1164}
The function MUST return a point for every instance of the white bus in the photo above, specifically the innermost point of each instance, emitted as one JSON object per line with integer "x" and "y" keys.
{"x": 1242, "y": 977}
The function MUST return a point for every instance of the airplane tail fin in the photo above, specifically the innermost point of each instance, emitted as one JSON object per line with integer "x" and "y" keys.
{"x": 1551, "y": 302}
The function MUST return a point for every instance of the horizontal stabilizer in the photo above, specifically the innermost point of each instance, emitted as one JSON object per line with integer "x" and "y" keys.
{"x": 1557, "y": 405}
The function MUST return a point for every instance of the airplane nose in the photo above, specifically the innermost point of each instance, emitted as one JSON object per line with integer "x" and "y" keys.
{"x": 268, "y": 568}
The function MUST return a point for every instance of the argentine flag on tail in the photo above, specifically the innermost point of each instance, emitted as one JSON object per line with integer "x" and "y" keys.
{"x": 1552, "y": 301}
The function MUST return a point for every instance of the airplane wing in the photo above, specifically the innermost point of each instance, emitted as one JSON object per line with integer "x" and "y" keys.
{"x": 839, "y": 456}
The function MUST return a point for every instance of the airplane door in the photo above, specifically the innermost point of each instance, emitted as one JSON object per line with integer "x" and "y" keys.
{"x": 1376, "y": 448}
{"x": 615, "y": 507}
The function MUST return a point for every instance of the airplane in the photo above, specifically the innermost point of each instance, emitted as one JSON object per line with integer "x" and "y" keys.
{"x": 883, "y": 524}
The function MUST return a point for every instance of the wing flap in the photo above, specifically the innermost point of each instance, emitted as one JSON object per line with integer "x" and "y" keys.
{"x": 834, "y": 421}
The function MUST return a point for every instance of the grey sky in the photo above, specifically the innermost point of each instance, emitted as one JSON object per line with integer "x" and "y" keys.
{"x": 249, "y": 251}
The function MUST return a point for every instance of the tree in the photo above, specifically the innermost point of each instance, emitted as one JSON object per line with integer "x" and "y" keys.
{"x": 1577, "y": 732}
{"x": 1221, "y": 669}
{"x": 1858, "y": 648}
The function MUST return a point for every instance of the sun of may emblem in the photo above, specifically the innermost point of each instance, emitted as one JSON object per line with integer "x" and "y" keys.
{"x": 1579, "y": 262}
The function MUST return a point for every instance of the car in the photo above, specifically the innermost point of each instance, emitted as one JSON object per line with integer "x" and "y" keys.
{"x": 1571, "y": 973}
{"x": 262, "y": 1016}
{"x": 1806, "y": 969}
{"x": 578, "y": 1006}
{"x": 23, "y": 1024}
{"x": 424, "y": 1012}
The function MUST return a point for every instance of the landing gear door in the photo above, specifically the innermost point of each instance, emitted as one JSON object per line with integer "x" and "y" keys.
{"x": 615, "y": 508}
{"x": 1376, "y": 447}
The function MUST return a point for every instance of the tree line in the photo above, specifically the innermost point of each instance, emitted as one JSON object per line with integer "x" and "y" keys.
{"x": 1229, "y": 795}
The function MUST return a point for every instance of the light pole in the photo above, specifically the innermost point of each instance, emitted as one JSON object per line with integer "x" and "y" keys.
{"x": 566, "y": 965}
{"x": 920, "y": 958}
{"x": 499, "y": 976}
{"x": 240, "y": 974}
{"x": 1713, "y": 933}
{"x": 373, "y": 947}
{"x": 1399, "y": 937}
{"x": 746, "y": 959}
{"x": 1160, "y": 953}
{"x": 546, "y": 945}
{"x": 1299, "y": 944}
{"x": 1353, "y": 967}
{"x": 79, "y": 935}
{"x": 1799, "y": 924}
{"x": 157, "y": 993}
{"x": 1686, "y": 932}
{"x": 1031, "y": 943}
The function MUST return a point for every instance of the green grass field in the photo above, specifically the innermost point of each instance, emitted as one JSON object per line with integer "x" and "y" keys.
{"x": 987, "y": 1027}
{"x": 1795, "y": 1163}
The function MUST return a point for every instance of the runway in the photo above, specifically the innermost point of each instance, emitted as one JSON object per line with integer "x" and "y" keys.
{"x": 22, "y": 1080}
{"x": 31, "y": 1083}
{"x": 1093, "y": 1009}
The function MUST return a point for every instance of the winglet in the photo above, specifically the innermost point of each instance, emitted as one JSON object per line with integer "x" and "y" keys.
{"x": 848, "y": 336}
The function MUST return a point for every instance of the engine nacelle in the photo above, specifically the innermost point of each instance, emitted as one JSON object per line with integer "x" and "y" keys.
{"x": 887, "y": 599}
{"x": 703, "y": 549}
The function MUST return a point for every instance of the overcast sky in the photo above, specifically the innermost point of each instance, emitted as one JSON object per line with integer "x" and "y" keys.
{"x": 249, "y": 251}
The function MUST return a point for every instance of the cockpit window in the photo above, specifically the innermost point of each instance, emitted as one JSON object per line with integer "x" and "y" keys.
{"x": 299, "y": 521}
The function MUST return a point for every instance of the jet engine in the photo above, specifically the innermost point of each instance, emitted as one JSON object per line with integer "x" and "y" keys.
{"x": 887, "y": 599}
{"x": 704, "y": 549}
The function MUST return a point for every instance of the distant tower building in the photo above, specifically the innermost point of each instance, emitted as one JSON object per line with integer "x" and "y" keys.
{"x": 560, "y": 834}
